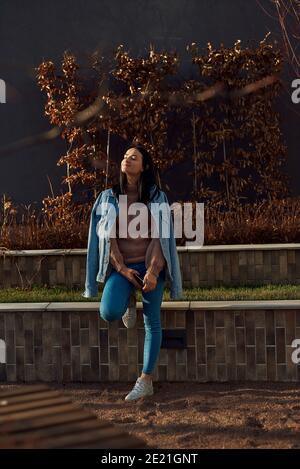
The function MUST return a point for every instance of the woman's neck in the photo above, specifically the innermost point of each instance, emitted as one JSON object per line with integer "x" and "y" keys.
{"x": 132, "y": 182}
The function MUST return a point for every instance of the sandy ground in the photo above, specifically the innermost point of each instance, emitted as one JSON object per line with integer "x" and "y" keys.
{"x": 194, "y": 415}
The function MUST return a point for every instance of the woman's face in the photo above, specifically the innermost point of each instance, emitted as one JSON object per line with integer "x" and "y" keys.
{"x": 132, "y": 163}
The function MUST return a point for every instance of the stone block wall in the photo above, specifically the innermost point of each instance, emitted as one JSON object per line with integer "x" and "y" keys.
{"x": 61, "y": 344}
{"x": 200, "y": 267}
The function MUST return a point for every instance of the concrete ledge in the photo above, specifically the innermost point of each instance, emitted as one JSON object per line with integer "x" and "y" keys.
{"x": 209, "y": 248}
{"x": 178, "y": 305}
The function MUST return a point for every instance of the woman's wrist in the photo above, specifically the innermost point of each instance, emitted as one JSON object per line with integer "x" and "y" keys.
{"x": 151, "y": 272}
{"x": 121, "y": 268}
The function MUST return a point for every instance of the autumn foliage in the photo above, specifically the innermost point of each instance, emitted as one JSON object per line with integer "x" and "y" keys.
{"x": 232, "y": 140}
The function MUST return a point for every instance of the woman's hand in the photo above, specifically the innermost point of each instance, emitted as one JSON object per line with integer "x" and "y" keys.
{"x": 129, "y": 274}
{"x": 150, "y": 282}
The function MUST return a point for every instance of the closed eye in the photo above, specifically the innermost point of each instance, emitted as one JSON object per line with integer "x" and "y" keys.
{"x": 132, "y": 157}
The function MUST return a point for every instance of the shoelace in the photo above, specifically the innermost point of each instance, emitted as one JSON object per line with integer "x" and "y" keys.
{"x": 139, "y": 386}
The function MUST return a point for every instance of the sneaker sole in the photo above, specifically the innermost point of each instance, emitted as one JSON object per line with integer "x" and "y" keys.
{"x": 136, "y": 398}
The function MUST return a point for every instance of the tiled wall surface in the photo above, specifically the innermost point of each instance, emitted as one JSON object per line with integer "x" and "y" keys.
{"x": 223, "y": 345}
{"x": 240, "y": 267}
{"x": 208, "y": 267}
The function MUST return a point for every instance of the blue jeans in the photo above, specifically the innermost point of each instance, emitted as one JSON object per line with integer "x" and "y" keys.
{"x": 115, "y": 300}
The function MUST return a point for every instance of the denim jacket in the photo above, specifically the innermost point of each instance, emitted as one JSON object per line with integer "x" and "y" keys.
{"x": 103, "y": 215}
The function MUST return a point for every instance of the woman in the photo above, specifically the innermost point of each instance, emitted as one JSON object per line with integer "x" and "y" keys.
{"x": 148, "y": 255}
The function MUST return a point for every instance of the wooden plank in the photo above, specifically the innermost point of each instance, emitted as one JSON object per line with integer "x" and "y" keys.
{"x": 38, "y": 412}
{"x": 27, "y": 406}
{"x": 28, "y": 397}
{"x": 43, "y": 422}
{"x": 24, "y": 390}
{"x": 40, "y": 417}
{"x": 33, "y": 438}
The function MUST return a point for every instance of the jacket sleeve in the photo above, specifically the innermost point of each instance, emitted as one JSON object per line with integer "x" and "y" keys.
{"x": 176, "y": 284}
{"x": 92, "y": 259}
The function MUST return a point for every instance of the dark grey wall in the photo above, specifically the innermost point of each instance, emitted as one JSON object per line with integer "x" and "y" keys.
{"x": 36, "y": 30}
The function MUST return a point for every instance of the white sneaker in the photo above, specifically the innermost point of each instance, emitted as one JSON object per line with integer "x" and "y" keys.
{"x": 141, "y": 389}
{"x": 129, "y": 318}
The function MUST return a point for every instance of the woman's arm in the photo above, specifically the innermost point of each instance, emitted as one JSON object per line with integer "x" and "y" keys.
{"x": 154, "y": 258}
{"x": 115, "y": 255}
{"x": 117, "y": 262}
